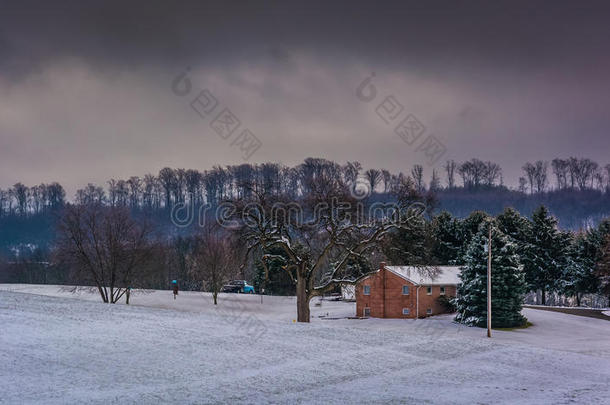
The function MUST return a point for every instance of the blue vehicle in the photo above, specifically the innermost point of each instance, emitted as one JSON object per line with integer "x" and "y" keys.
{"x": 238, "y": 286}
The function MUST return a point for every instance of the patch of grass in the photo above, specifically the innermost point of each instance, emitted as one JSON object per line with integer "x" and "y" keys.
{"x": 526, "y": 325}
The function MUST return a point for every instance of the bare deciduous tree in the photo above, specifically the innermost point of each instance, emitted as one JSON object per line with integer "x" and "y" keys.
{"x": 435, "y": 182}
{"x": 135, "y": 191}
{"x": 472, "y": 173}
{"x": 530, "y": 171}
{"x": 106, "y": 245}
{"x": 351, "y": 170}
{"x": 90, "y": 195}
{"x": 522, "y": 185}
{"x": 582, "y": 172}
{"x": 540, "y": 175}
{"x": 417, "y": 172}
{"x": 387, "y": 180}
{"x": 450, "y": 167}
{"x": 323, "y": 254}
{"x": 212, "y": 259}
{"x": 537, "y": 175}
{"x": 20, "y": 192}
{"x": 561, "y": 169}
{"x": 167, "y": 179}
{"x": 492, "y": 173}
{"x": 373, "y": 176}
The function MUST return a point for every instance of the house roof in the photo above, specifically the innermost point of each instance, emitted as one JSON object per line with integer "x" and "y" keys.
{"x": 429, "y": 275}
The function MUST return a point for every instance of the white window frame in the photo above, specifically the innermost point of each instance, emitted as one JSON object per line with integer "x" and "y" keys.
{"x": 364, "y": 290}
{"x": 364, "y": 312}
{"x": 442, "y": 290}
{"x": 403, "y": 290}
{"x": 406, "y": 309}
{"x": 429, "y": 290}
{"x": 429, "y": 311}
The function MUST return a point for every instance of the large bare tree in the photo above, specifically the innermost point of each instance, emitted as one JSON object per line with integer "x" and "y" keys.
{"x": 106, "y": 245}
{"x": 326, "y": 239}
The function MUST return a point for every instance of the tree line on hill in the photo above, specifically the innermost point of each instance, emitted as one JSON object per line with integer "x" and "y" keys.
{"x": 125, "y": 238}
{"x": 172, "y": 186}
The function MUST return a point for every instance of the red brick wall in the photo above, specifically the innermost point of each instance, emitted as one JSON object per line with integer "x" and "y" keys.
{"x": 430, "y": 301}
{"x": 373, "y": 301}
{"x": 394, "y": 300}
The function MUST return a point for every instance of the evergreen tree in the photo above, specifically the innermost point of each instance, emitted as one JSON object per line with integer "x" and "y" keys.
{"x": 507, "y": 282}
{"x": 586, "y": 251}
{"x": 596, "y": 256}
{"x": 602, "y": 269}
{"x": 468, "y": 229}
{"x": 410, "y": 245}
{"x": 578, "y": 275}
{"x": 274, "y": 279}
{"x": 514, "y": 225}
{"x": 545, "y": 254}
{"x": 448, "y": 238}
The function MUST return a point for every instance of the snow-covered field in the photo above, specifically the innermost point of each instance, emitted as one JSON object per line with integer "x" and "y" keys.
{"x": 59, "y": 347}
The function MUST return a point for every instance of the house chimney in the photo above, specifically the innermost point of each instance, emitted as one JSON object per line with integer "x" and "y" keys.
{"x": 381, "y": 265}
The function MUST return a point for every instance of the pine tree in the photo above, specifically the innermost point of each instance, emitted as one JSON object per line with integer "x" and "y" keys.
{"x": 274, "y": 279}
{"x": 469, "y": 227}
{"x": 410, "y": 245}
{"x": 578, "y": 275}
{"x": 545, "y": 254}
{"x": 513, "y": 224}
{"x": 447, "y": 238}
{"x": 602, "y": 269}
{"x": 507, "y": 282}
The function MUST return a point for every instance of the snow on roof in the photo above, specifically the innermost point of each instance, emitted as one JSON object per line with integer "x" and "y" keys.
{"x": 429, "y": 275}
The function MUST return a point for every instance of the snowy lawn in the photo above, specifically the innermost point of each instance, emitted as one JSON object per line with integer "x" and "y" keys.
{"x": 58, "y": 349}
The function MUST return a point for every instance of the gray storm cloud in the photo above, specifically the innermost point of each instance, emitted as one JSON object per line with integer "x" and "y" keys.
{"x": 86, "y": 92}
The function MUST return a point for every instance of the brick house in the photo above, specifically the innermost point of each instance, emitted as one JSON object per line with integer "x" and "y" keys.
{"x": 405, "y": 291}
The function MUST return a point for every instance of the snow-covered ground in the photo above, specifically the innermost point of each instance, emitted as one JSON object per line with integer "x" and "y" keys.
{"x": 58, "y": 349}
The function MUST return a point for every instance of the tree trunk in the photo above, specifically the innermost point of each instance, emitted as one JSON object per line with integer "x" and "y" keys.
{"x": 104, "y": 296}
{"x": 543, "y": 293}
{"x": 215, "y": 296}
{"x": 577, "y": 299}
{"x": 302, "y": 300}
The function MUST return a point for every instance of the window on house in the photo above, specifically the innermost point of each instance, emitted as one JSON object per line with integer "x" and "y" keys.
{"x": 429, "y": 290}
{"x": 405, "y": 311}
{"x": 367, "y": 311}
{"x": 367, "y": 290}
{"x": 429, "y": 311}
{"x": 442, "y": 290}
{"x": 405, "y": 290}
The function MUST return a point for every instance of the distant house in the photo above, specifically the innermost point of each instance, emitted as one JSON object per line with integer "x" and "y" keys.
{"x": 348, "y": 292}
{"x": 405, "y": 291}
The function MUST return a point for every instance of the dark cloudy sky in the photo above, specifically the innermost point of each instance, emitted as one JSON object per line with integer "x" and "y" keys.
{"x": 85, "y": 87}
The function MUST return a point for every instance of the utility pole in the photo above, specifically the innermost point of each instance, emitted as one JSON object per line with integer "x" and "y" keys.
{"x": 489, "y": 283}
